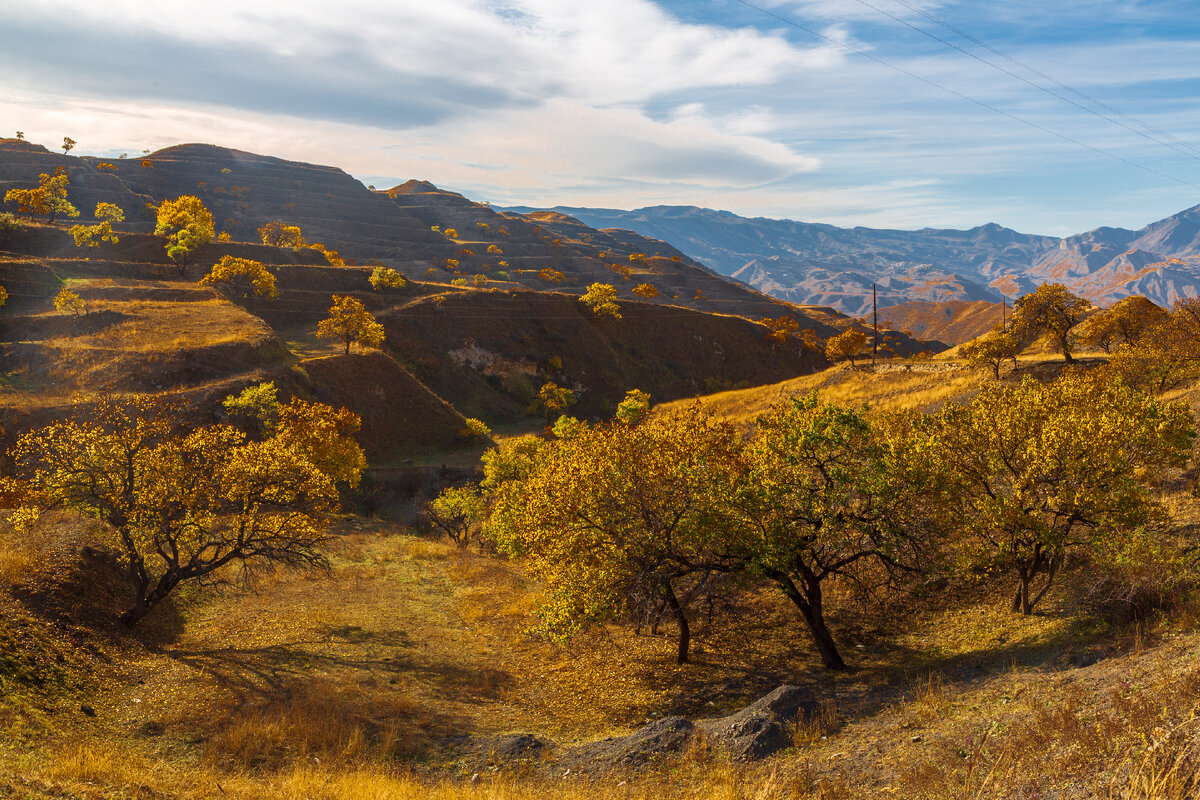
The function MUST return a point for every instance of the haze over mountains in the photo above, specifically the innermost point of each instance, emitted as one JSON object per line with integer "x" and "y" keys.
{"x": 827, "y": 265}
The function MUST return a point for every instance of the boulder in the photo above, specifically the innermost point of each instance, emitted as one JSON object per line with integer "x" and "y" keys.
{"x": 763, "y": 727}
{"x": 655, "y": 740}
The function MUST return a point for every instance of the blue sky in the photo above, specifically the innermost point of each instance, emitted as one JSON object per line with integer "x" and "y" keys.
{"x": 627, "y": 103}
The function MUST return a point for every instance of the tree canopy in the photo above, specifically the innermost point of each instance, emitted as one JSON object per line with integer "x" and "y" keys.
{"x": 846, "y": 345}
{"x": 1051, "y": 309}
{"x": 1035, "y": 470}
{"x": 350, "y": 322}
{"x": 243, "y": 277}
{"x": 186, "y": 223}
{"x": 179, "y": 506}
{"x": 617, "y": 513}
{"x": 601, "y": 298}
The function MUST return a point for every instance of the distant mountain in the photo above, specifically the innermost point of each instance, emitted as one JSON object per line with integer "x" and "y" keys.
{"x": 824, "y": 264}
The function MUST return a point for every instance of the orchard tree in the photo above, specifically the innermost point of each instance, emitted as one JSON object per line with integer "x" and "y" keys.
{"x": 846, "y": 345}
{"x": 1053, "y": 310}
{"x": 553, "y": 400}
{"x": 780, "y": 328}
{"x": 49, "y": 199}
{"x": 92, "y": 235}
{"x": 1036, "y": 471}
{"x": 385, "y": 278}
{"x": 601, "y": 298}
{"x": 350, "y": 321}
{"x": 617, "y": 513}
{"x": 551, "y": 275}
{"x": 457, "y": 512}
{"x": 991, "y": 350}
{"x": 279, "y": 234}
{"x": 1165, "y": 354}
{"x": 68, "y": 302}
{"x": 827, "y": 496}
{"x": 3, "y": 296}
{"x": 68, "y": 144}
{"x": 258, "y": 405}
{"x": 1124, "y": 322}
{"x": 179, "y": 506}
{"x": 186, "y": 223}
{"x": 645, "y": 290}
{"x": 242, "y": 277}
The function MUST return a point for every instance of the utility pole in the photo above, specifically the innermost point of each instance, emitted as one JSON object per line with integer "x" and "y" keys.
{"x": 1003, "y": 314}
{"x": 875, "y": 325}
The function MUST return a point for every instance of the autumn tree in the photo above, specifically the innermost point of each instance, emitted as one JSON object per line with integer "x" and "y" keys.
{"x": 68, "y": 144}
{"x": 3, "y": 296}
{"x": 457, "y": 512}
{"x": 332, "y": 257}
{"x": 1123, "y": 323}
{"x": 180, "y": 506}
{"x": 350, "y": 322}
{"x": 186, "y": 223}
{"x": 991, "y": 350}
{"x": 616, "y": 513}
{"x": 846, "y": 345}
{"x": 1164, "y": 354}
{"x": 385, "y": 278}
{"x": 780, "y": 328}
{"x": 257, "y": 405}
{"x": 1052, "y": 310}
{"x": 280, "y": 234}
{"x": 49, "y": 199}
{"x": 1036, "y": 471}
{"x": 645, "y": 290}
{"x": 69, "y": 302}
{"x": 828, "y": 496}
{"x": 241, "y": 277}
{"x": 92, "y": 235}
{"x": 551, "y": 275}
{"x": 553, "y": 400}
{"x": 601, "y": 298}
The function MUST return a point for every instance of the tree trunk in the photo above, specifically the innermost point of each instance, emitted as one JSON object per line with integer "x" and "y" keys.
{"x": 811, "y": 609}
{"x": 685, "y": 631}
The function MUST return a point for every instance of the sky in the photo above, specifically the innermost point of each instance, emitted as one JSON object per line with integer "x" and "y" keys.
{"x": 1050, "y": 118}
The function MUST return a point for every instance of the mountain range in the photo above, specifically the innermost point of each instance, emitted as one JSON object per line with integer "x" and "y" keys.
{"x": 813, "y": 263}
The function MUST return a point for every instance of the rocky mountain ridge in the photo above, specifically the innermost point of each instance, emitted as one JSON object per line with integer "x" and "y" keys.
{"x": 824, "y": 264}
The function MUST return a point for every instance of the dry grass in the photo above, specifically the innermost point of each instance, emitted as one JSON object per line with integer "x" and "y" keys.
{"x": 342, "y": 686}
{"x": 890, "y": 387}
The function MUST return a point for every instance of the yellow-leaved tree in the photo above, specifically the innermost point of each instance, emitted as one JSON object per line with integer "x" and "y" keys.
{"x": 242, "y": 277}
{"x": 601, "y": 298}
{"x": 92, "y": 235}
{"x": 350, "y": 321}
{"x": 991, "y": 350}
{"x": 386, "y": 278}
{"x": 186, "y": 223}
{"x": 280, "y": 234}
{"x": 1051, "y": 309}
{"x": 617, "y": 515}
{"x": 829, "y": 496}
{"x": 846, "y": 345}
{"x": 180, "y": 506}
{"x": 48, "y": 199}
{"x": 1035, "y": 471}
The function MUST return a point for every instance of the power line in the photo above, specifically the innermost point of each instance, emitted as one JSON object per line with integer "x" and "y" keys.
{"x": 961, "y": 95}
{"x": 1177, "y": 145}
{"x": 1173, "y": 139}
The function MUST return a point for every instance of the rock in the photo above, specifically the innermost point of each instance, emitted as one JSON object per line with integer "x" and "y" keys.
{"x": 515, "y": 746}
{"x": 661, "y": 737}
{"x": 763, "y": 727}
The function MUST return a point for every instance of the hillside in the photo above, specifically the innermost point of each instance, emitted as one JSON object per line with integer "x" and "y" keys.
{"x": 952, "y": 321}
{"x": 393, "y": 227}
{"x": 824, "y": 264}
{"x": 406, "y": 671}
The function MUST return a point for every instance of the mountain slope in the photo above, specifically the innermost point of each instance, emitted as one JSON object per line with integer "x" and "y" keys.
{"x": 817, "y": 263}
